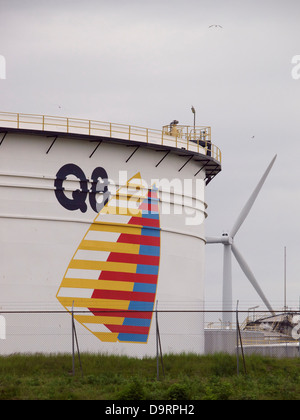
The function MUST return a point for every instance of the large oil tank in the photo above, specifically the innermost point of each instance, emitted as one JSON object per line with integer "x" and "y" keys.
{"x": 105, "y": 220}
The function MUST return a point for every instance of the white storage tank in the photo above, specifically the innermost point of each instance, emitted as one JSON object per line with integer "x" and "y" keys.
{"x": 106, "y": 219}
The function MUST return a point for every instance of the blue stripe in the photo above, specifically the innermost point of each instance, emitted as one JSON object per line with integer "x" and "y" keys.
{"x": 148, "y": 214}
{"x": 141, "y": 306}
{"x": 154, "y": 251}
{"x": 146, "y": 231}
{"x": 136, "y": 338}
{"x": 151, "y": 200}
{"x": 147, "y": 269}
{"x": 144, "y": 288}
{"x": 136, "y": 322}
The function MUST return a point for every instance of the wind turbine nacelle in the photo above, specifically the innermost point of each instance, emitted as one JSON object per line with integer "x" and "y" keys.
{"x": 224, "y": 239}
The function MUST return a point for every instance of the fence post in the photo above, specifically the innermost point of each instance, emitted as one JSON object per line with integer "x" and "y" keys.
{"x": 74, "y": 338}
{"x": 158, "y": 347}
{"x": 157, "y": 355}
{"x": 237, "y": 340}
{"x": 73, "y": 342}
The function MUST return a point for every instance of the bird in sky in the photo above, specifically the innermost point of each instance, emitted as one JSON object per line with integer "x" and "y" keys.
{"x": 57, "y": 106}
{"x": 216, "y": 26}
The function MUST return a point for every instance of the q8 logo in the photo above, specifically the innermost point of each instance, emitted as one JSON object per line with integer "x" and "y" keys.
{"x": 99, "y": 187}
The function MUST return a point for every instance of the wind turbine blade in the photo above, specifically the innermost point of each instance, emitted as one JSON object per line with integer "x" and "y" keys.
{"x": 244, "y": 213}
{"x": 210, "y": 240}
{"x": 248, "y": 273}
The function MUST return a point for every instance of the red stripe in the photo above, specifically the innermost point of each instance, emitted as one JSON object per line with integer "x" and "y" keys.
{"x": 128, "y": 329}
{"x": 149, "y": 206}
{"x": 152, "y": 194}
{"x": 121, "y": 314}
{"x": 120, "y": 295}
{"x": 135, "y": 278}
{"x": 133, "y": 258}
{"x": 143, "y": 221}
{"x": 139, "y": 239}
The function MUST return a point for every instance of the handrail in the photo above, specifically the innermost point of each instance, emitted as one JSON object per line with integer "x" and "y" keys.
{"x": 190, "y": 140}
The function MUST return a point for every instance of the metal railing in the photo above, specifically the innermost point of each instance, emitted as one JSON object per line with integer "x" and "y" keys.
{"x": 191, "y": 133}
{"x": 189, "y": 138}
{"x": 256, "y": 334}
{"x": 264, "y": 340}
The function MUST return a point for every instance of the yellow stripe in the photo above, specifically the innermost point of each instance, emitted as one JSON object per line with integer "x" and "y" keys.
{"x": 107, "y": 337}
{"x": 102, "y": 227}
{"x": 137, "y": 185}
{"x": 122, "y": 211}
{"x": 110, "y": 247}
{"x": 130, "y": 196}
{"x": 106, "y": 320}
{"x": 103, "y": 265}
{"x": 98, "y": 284}
{"x": 94, "y": 303}
{"x": 116, "y": 224}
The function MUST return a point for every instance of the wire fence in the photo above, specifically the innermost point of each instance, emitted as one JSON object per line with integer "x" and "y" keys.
{"x": 170, "y": 332}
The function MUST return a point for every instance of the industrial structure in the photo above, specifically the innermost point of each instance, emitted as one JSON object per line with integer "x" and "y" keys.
{"x": 106, "y": 221}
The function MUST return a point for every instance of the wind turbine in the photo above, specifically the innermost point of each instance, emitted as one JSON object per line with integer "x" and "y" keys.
{"x": 227, "y": 239}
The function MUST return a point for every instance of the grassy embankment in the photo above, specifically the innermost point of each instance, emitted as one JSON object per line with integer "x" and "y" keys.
{"x": 115, "y": 378}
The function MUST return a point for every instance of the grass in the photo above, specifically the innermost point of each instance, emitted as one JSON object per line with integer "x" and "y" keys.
{"x": 188, "y": 377}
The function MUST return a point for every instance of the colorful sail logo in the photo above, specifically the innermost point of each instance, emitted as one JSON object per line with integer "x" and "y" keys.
{"x": 112, "y": 279}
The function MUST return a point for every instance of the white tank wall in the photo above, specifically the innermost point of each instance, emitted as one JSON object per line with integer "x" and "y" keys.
{"x": 38, "y": 238}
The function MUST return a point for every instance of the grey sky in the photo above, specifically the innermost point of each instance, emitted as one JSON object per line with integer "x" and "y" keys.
{"x": 145, "y": 63}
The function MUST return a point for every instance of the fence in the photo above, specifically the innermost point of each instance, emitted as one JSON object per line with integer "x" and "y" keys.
{"x": 175, "y": 332}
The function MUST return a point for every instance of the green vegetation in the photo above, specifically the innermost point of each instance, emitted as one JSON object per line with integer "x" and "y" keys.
{"x": 188, "y": 377}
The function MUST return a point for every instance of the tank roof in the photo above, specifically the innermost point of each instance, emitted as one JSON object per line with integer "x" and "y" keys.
{"x": 192, "y": 142}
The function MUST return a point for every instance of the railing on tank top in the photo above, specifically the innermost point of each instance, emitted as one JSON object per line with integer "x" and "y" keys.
{"x": 195, "y": 139}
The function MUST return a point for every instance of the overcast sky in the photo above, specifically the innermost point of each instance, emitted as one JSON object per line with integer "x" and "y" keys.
{"x": 145, "y": 63}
